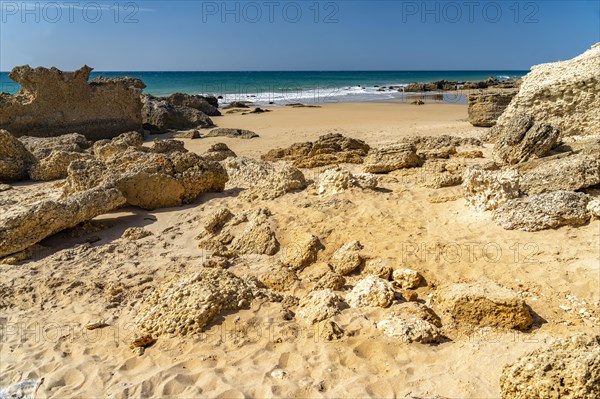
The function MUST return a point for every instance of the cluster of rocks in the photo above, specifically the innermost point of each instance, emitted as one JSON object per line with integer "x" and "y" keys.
{"x": 329, "y": 149}
{"x": 445, "y": 85}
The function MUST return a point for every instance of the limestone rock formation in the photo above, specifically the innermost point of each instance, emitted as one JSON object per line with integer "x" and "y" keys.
{"x": 391, "y": 157}
{"x": 257, "y": 238}
{"x": 568, "y": 368}
{"x": 42, "y": 147}
{"x": 15, "y": 159}
{"x": 486, "y": 190}
{"x": 423, "y": 143}
{"x": 486, "y": 107}
{"x": 406, "y": 278}
{"x": 568, "y": 174}
{"x": 301, "y": 251}
{"x": 378, "y": 267}
{"x": 185, "y": 305}
{"x": 543, "y": 211}
{"x": 330, "y": 280}
{"x": 160, "y": 116}
{"x": 52, "y": 102}
{"x": 347, "y": 258}
{"x": 371, "y": 291}
{"x": 523, "y": 139}
{"x": 317, "y": 306}
{"x": 280, "y": 279}
{"x": 207, "y": 105}
{"x": 218, "y": 152}
{"x": 22, "y": 228}
{"x": 232, "y": 133}
{"x": 336, "y": 180}
{"x": 410, "y": 329}
{"x": 484, "y": 304}
{"x": 330, "y": 149}
{"x": 564, "y": 94}
{"x": 593, "y": 208}
{"x": 55, "y": 165}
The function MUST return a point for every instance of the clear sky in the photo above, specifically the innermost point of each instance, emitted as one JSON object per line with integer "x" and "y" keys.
{"x": 295, "y": 35}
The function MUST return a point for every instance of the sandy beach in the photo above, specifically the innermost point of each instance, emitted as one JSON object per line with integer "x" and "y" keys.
{"x": 91, "y": 273}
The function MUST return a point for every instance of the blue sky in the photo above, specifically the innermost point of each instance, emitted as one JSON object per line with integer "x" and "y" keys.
{"x": 295, "y": 35}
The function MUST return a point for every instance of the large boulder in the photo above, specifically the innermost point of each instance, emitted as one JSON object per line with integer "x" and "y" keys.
{"x": 563, "y": 94}
{"x": 485, "y": 107}
{"x": 543, "y": 211}
{"x": 568, "y": 368}
{"x": 391, "y": 157}
{"x": 185, "y": 305}
{"x": 160, "y": 115}
{"x": 484, "y": 304}
{"x": 330, "y": 149}
{"x": 22, "y": 228}
{"x": 568, "y": 173}
{"x": 15, "y": 159}
{"x": 207, "y": 105}
{"x": 523, "y": 139}
{"x": 489, "y": 189}
{"x": 52, "y": 102}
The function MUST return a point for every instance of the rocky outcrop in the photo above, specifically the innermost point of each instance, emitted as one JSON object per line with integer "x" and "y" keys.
{"x": 334, "y": 181}
{"x": 485, "y": 107}
{"x": 424, "y": 143}
{"x": 484, "y": 304}
{"x": 22, "y": 228}
{"x": 391, "y": 157}
{"x": 165, "y": 175}
{"x": 262, "y": 180}
{"x": 543, "y": 211}
{"x": 207, "y": 105}
{"x": 301, "y": 251}
{"x": 347, "y": 258}
{"x": 410, "y": 329}
{"x": 15, "y": 159}
{"x": 330, "y": 149}
{"x": 489, "y": 189}
{"x": 218, "y": 152}
{"x": 52, "y": 102}
{"x": 184, "y": 306}
{"x": 42, "y": 147}
{"x": 55, "y": 165}
{"x": 280, "y": 279}
{"x": 232, "y": 133}
{"x": 160, "y": 116}
{"x": 568, "y": 368}
{"x": 563, "y": 94}
{"x": 317, "y": 306}
{"x": 371, "y": 291}
{"x": 523, "y": 139}
{"x": 378, "y": 267}
{"x": 568, "y": 173}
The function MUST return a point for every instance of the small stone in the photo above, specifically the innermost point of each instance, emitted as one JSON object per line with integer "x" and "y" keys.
{"x": 347, "y": 258}
{"x": 406, "y": 278}
{"x": 371, "y": 291}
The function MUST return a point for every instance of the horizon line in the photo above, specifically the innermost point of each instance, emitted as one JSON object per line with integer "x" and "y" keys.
{"x": 314, "y": 70}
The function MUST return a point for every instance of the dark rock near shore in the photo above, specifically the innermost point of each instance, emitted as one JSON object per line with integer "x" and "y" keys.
{"x": 160, "y": 116}
{"x": 208, "y": 105}
{"x": 233, "y": 133}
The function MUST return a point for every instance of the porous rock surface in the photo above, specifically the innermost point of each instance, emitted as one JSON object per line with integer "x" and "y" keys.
{"x": 489, "y": 189}
{"x": 317, "y": 306}
{"x": 410, "y": 329}
{"x": 301, "y": 251}
{"x": 334, "y": 181}
{"x": 52, "y": 102}
{"x": 330, "y": 149}
{"x": 564, "y": 94}
{"x": 543, "y": 211}
{"x": 391, "y": 157}
{"x": 485, "y": 107}
{"x": 15, "y": 159}
{"x": 568, "y": 368}
{"x": 347, "y": 258}
{"x": 232, "y": 133}
{"x": 484, "y": 304}
{"x": 159, "y": 115}
{"x": 371, "y": 291}
{"x": 185, "y": 305}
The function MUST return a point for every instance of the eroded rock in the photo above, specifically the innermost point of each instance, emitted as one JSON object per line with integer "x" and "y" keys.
{"x": 371, "y": 291}
{"x": 485, "y": 107}
{"x": 487, "y": 190}
{"x": 317, "y": 306}
{"x": 391, "y": 157}
{"x": 347, "y": 258}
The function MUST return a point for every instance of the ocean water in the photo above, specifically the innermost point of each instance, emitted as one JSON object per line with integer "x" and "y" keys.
{"x": 288, "y": 87}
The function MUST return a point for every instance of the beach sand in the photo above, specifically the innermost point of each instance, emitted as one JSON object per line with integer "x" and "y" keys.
{"x": 63, "y": 287}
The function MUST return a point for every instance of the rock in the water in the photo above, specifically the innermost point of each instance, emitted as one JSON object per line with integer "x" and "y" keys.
{"x": 159, "y": 116}
{"x": 371, "y": 291}
{"x": 347, "y": 258}
{"x": 218, "y": 152}
{"x": 52, "y": 102}
{"x": 568, "y": 368}
{"x": 184, "y": 306}
{"x": 15, "y": 159}
{"x": 330, "y": 149}
{"x": 543, "y": 211}
{"x": 562, "y": 174}
{"x": 564, "y": 94}
{"x": 318, "y": 306}
{"x": 301, "y": 251}
{"x": 233, "y": 133}
{"x": 23, "y": 228}
{"x": 410, "y": 329}
{"x": 406, "y": 278}
{"x": 523, "y": 139}
{"x": 489, "y": 189}
{"x": 484, "y": 304}
{"x": 391, "y": 157}
{"x": 486, "y": 107}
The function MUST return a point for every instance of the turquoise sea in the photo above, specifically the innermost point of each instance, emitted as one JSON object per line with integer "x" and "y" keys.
{"x": 285, "y": 87}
